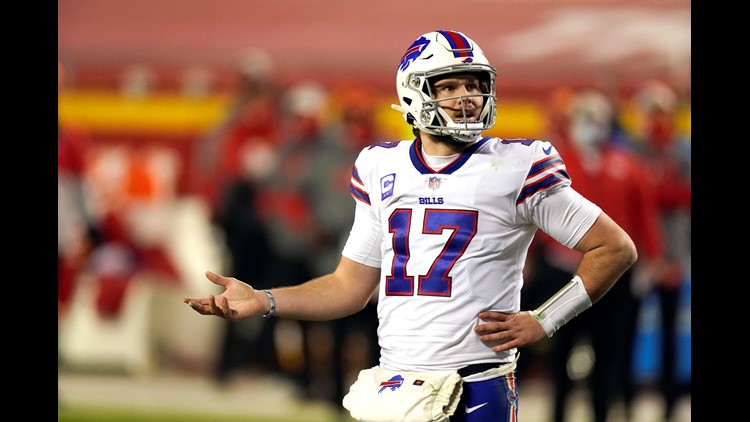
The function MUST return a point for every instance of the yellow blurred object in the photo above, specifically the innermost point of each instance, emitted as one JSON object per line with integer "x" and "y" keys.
{"x": 157, "y": 113}
{"x": 632, "y": 120}
{"x": 518, "y": 119}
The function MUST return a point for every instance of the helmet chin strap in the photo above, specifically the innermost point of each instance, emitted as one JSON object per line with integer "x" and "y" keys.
{"x": 399, "y": 109}
{"x": 408, "y": 117}
{"x": 463, "y": 140}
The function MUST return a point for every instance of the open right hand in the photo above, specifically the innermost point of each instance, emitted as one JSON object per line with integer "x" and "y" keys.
{"x": 239, "y": 300}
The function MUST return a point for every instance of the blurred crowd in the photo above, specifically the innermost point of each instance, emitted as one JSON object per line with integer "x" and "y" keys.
{"x": 274, "y": 176}
{"x": 641, "y": 178}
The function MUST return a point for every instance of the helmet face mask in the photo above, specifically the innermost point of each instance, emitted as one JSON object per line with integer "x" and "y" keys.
{"x": 435, "y": 55}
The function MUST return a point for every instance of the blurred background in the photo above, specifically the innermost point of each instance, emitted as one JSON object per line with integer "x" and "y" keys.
{"x": 219, "y": 135}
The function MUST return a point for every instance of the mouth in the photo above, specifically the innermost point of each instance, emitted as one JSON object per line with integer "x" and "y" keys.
{"x": 465, "y": 118}
{"x": 467, "y": 114}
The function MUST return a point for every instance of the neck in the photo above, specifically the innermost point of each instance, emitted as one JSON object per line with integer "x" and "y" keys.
{"x": 441, "y": 145}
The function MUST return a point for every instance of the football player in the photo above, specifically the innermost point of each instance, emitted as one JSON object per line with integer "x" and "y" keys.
{"x": 442, "y": 227}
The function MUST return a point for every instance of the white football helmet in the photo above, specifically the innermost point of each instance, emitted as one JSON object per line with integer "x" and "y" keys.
{"x": 439, "y": 53}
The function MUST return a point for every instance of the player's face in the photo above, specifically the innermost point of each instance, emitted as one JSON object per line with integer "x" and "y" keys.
{"x": 462, "y": 93}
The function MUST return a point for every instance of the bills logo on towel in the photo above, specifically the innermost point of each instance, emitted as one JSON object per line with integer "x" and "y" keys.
{"x": 393, "y": 384}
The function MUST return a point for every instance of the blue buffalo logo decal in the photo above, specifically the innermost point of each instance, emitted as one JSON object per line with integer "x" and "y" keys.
{"x": 393, "y": 384}
{"x": 414, "y": 51}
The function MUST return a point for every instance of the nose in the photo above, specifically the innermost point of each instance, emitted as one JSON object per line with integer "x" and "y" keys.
{"x": 464, "y": 90}
{"x": 467, "y": 97}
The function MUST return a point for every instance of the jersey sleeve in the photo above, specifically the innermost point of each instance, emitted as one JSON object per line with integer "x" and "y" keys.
{"x": 565, "y": 215}
{"x": 547, "y": 173}
{"x": 363, "y": 243}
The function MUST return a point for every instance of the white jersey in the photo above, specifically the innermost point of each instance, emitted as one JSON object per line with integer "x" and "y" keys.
{"x": 452, "y": 243}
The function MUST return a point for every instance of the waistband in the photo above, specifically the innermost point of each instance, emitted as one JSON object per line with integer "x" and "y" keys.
{"x": 477, "y": 368}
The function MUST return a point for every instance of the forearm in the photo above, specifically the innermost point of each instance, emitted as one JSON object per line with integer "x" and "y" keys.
{"x": 607, "y": 253}
{"x": 320, "y": 299}
{"x": 601, "y": 267}
{"x": 341, "y": 293}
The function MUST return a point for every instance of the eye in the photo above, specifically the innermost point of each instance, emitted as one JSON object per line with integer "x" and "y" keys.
{"x": 445, "y": 88}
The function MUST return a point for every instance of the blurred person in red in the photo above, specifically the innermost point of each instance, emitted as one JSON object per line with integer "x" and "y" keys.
{"x": 667, "y": 157}
{"x": 235, "y": 161}
{"x": 131, "y": 204}
{"x": 557, "y": 113}
{"x": 613, "y": 177}
{"x": 247, "y": 136}
{"x": 291, "y": 191}
{"x": 286, "y": 206}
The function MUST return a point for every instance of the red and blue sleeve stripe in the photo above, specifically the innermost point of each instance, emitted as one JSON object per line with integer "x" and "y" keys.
{"x": 537, "y": 181}
{"x": 356, "y": 187}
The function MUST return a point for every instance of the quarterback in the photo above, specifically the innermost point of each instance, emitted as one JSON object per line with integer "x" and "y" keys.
{"x": 441, "y": 232}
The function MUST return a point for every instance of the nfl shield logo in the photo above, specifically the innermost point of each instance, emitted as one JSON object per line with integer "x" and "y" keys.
{"x": 433, "y": 183}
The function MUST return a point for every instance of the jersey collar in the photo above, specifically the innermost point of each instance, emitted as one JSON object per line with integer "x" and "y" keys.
{"x": 415, "y": 153}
